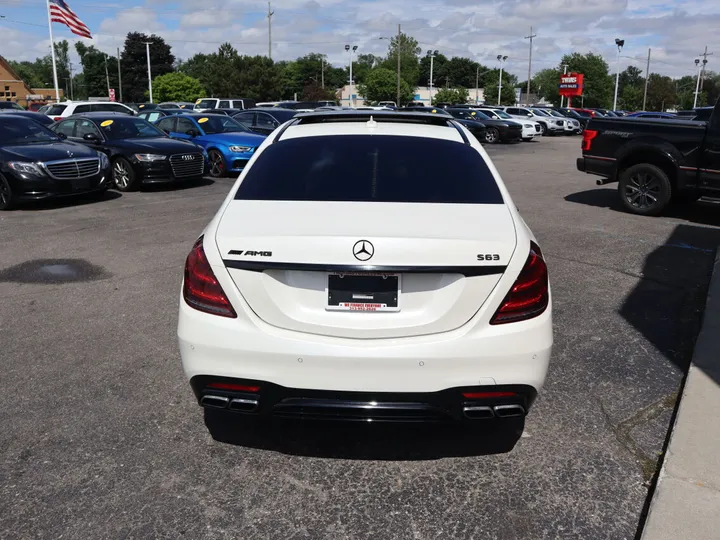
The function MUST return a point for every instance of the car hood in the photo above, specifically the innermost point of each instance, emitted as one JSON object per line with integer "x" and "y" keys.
{"x": 154, "y": 145}
{"x": 245, "y": 139}
{"x": 46, "y": 151}
{"x": 499, "y": 123}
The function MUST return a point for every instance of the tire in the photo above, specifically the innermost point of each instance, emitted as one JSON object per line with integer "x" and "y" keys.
{"x": 528, "y": 139}
{"x": 492, "y": 135}
{"x": 644, "y": 189}
{"x": 543, "y": 129}
{"x": 123, "y": 175}
{"x": 217, "y": 164}
{"x": 6, "y": 195}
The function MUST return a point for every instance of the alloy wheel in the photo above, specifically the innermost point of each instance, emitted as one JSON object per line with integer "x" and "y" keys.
{"x": 121, "y": 175}
{"x": 491, "y": 135}
{"x": 642, "y": 191}
{"x": 217, "y": 164}
{"x": 5, "y": 193}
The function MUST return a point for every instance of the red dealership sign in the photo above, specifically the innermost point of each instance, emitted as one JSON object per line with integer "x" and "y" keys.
{"x": 571, "y": 85}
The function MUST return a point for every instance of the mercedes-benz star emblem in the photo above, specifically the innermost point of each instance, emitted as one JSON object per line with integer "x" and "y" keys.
{"x": 70, "y": 154}
{"x": 363, "y": 250}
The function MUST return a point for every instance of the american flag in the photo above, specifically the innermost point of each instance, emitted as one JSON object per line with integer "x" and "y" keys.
{"x": 60, "y": 12}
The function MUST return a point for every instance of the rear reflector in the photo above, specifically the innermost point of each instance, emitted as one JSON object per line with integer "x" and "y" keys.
{"x": 234, "y": 387}
{"x": 201, "y": 289}
{"x": 488, "y": 395}
{"x": 530, "y": 295}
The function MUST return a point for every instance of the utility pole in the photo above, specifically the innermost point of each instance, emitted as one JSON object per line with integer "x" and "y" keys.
{"x": 119, "y": 76}
{"x": 322, "y": 71}
{"x": 501, "y": 58}
{"x": 432, "y": 58}
{"x": 107, "y": 75}
{"x": 564, "y": 73}
{"x": 530, "y": 37}
{"x": 477, "y": 82}
{"x": 72, "y": 94}
{"x": 397, "y": 51}
{"x": 704, "y": 63}
{"x": 269, "y": 17}
{"x": 147, "y": 48}
{"x": 647, "y": 78}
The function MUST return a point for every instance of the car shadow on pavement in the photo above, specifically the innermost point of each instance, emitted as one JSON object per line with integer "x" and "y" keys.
{"x": 360, "y": 441}
{"x": 178, "y": 186}
{"x": 668, "y": 303}
{"x": 706, "y": 212}
{"x": 69, "y": 201}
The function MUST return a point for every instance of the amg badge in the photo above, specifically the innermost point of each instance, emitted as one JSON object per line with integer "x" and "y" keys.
{"x": 251, "y": 253}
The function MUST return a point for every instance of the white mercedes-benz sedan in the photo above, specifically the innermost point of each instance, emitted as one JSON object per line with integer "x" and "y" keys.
{"x": 367, "y": 265}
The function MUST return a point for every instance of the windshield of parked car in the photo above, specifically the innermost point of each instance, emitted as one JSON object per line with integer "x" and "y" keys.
{"x": 555, "y": 113}
{"x": 376, "y": 168}
{"x": 206, "y": 104}
{"x": 479, "y": 115}
{"x": 213, "y": 124}
{"x": 24, "y": 131}
{"x": 584, "y": 114}
{"x": 503, "y": 114}
{"x": 540, "y": 112}
{"x": 121, "y": 127}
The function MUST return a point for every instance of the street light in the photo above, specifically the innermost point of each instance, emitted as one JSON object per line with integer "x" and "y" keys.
{"x": 501, "y": 59}
{"x": 619, "y": 43}
{"x": 697, "y": 86}
{"x": 432, "y": 57}
{"x": 350, "y": 52}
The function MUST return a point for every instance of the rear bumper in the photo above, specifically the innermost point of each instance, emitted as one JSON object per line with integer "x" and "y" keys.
{"x": 268, "y": 400}
{"x": 516, "y": 354}
{"x": 605, "y": 167}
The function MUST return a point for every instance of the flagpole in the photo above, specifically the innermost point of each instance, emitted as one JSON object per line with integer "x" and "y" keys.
{"x": 52, "y": 52}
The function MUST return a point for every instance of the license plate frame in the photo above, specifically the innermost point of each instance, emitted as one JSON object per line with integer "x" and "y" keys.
{"x": 80, "y": 184}
{"x": 373, "y": 294}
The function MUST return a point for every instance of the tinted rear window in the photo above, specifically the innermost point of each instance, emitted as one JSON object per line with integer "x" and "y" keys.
{"x": 379, "y": 168}
{"x": 56, "y": 110}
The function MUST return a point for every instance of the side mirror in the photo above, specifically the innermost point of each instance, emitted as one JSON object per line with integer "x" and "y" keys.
{"x": 90, "y": 137}
{"x": 61, "y": 136}
{"x": 192, "y": 133}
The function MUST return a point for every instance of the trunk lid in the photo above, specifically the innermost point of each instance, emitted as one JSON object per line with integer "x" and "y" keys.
{"x": 279, "y": 255}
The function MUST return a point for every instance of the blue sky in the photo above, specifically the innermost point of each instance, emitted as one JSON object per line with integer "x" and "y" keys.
{"x": 480, "y": 29}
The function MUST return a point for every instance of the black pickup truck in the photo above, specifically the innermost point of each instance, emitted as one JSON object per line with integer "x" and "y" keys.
{"x": 655, "y": 162}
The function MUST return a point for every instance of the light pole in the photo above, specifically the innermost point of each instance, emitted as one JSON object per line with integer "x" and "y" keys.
{"x": 697, "y": 86}
{"x": 351, "y": 51}
{"x": 147, "y": 48}
{"x": 432, "y": 57}
{"x": 619, "y": 43}
{"x": 501, "y": 59}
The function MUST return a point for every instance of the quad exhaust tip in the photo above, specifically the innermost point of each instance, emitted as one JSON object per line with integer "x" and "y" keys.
{"x": 222, "y": 402}
{"x": 480, "y": 412}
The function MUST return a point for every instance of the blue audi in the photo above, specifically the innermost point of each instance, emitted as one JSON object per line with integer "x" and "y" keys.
{"x": 229, "y": 144}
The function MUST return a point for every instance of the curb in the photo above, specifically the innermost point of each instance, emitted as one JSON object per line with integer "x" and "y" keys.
{"x": 686, "y": 501}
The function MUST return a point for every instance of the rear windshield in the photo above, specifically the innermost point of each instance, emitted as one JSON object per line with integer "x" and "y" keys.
{"x": 378, "y": 168}
{"x": 56, "y": 110}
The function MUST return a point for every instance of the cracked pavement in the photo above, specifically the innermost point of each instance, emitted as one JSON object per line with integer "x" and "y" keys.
{"x": 101, "y": 436}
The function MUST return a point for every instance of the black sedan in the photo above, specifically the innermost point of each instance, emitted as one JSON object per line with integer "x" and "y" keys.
{"x": 138, "y": 151}
{"x": 264, "y": 120}
{"x": 36, "y": 163}
{"x": 495, "y": 130}
{"x": 473, "y": 126}
{"x": 43, "y": 119}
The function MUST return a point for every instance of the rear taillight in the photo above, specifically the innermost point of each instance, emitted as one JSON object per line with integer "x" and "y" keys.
{"x": 57, "y": 118}
{"x": 488, "y": 395}
{"x": 530, "y": 293}
{"x": 588, "y": 136}
{"x": 201, "y": 289}
{"x": 234, "y": 387}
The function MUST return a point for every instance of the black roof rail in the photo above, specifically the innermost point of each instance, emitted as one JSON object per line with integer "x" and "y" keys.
{"x": 409, "y": 117}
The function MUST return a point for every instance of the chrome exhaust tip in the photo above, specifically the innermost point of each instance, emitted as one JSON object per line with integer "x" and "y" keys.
{"x": 478, "y": 412}
{"x": 507, "y": 411}
{"x": 244, "y": 405}
{"x": 217, "y": 402}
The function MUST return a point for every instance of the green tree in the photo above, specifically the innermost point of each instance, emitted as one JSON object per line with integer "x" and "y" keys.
{"x": 456, "y": 96}
{"x": 407, "y": 48}
{"x": 313, "y": 91}
{"x": 362, "y": 66}
{"x": 459, "y": 71}
{"x": 632, "y": 76}
{"x": 381, "y": 85}
{"x": 507, "y": 96}
{"x": 177, "y": 87}
{"x": 546, "y": 84}
{"x": 258, "y": 78}
{"x": 311, "y": 68}
{"x": 631, "y": 97}
{"x": 598, "y": 85}
{"x": 134, "y": 63}
{"x": 662, "y": 92}
{"x": 94, "y": 82}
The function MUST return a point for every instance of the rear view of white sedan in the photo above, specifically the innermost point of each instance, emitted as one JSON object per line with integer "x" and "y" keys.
{"x": 367, "y": 265}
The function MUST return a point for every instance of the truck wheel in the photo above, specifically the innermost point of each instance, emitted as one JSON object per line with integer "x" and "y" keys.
{"x": 644, "y": 189}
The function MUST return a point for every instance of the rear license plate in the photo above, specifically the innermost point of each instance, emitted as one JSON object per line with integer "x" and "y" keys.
{"x": 80, "y": 184}
{"x": 362, "y": 291}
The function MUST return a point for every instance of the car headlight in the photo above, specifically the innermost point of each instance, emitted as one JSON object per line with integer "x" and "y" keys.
{"x": 104, "y": 161}
{"x": 528, "y": 125}
{"x": 23, "y": 167}
{"x": 150, "y": 157}
{"x": 241, "y": 149}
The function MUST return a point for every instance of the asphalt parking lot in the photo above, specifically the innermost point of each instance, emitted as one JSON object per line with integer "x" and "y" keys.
{"x": 101, "y": 436}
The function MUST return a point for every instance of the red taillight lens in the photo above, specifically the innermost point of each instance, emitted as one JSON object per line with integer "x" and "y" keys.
{"x": 234, "y": 387}
{"x": 201, "y": 289}
{"x": 530, "y": 294}
{"x": 57, "y": 118}
{"x": 488, "y": 395}
{"x": 588, "y": 136}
